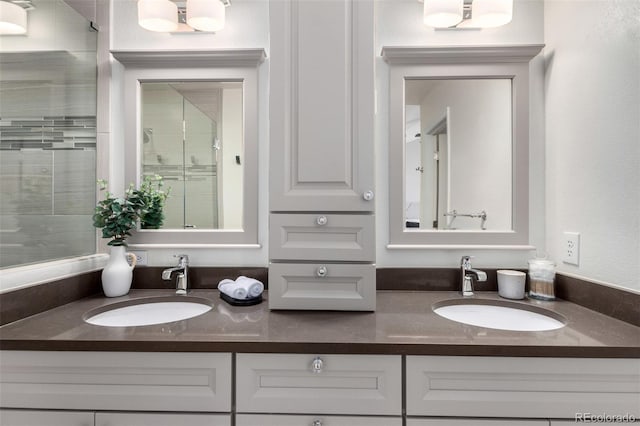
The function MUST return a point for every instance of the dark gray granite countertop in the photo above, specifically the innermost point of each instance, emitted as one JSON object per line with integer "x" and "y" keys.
{"x": 404, "y": 323}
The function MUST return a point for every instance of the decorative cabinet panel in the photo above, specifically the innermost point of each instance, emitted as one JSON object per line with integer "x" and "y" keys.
{"x": 135, "y": 381}
{"x": 324, "y": 286}
{"x": 45, "y": 418}
{"x": 298, "y": 420}
{"x": 521, "y": 387}
{"x": 331, "y": 237}
{"x": 326, "y": 384}
{"x": 162, "y": 419}
{"x": 321, "y": 105}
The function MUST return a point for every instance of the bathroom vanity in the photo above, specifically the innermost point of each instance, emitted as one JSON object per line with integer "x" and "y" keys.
{"x": 251, "y": 366}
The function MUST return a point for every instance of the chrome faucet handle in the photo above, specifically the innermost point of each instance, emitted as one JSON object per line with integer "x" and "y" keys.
{"x": 183, "y": 259}
{"x": 465, "y": 262}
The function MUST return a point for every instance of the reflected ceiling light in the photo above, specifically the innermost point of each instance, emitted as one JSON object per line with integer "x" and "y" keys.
{"x": 467, "y": 14}
{"x": 443, "y": 13}
{"x": 178, "y": 16}
{"x": 158, "y": 15}
{"x": 13, "y": 18}
{"x": 206, "y": 15}
{"x": 492, "y": 13}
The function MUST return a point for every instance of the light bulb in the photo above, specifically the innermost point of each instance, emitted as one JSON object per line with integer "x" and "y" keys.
{"x": 492, "y": 13}
{"x": 442, "y": 13}
{"x": 13, "y": 18}
{"x": 158, "y": 15}
{"x": 206, "y": 15}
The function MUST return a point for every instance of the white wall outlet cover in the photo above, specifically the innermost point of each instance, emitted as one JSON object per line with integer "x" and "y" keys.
{"x": 571, "y": 248}
{"x": 141, "y": 256}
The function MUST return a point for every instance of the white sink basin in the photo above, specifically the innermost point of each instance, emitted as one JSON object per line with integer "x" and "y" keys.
{"x": 148, "y": 311}
{"x": 499, "y": 315}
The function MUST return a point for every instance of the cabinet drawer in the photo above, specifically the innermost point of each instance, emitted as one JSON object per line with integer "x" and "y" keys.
{"x": 521, "y": 387}
{"x": 337, "y": 237}
{"x": 135, "y": 381}
{"x": 157, "y": 419}
{"x": 327, "y": 384}
{"x": 325, "y": 286}
{"x": 45, "y": 418}
{"x": 286, "y": 420}
{"x": 476, "y": 422}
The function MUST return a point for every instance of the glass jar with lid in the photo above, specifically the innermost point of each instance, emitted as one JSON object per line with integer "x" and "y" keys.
{"x": 542, "y": 274}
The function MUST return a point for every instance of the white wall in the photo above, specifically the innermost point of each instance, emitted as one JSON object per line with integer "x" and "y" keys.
{"x": 399, "y": 23}
{"x": 593, "y": 136}
{"x": 247, "y": 26}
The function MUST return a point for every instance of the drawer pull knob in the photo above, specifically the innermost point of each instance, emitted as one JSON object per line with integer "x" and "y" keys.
{"x": 368, "y": 195}
{"x": 322, "y": 220}
{"x": 316, "y": 367}
{"x": 317, "y": 423}
{"x": 322, "y": 271}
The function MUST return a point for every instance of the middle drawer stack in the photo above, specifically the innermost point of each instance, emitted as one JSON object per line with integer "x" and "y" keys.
{"x": 322, "y": 261}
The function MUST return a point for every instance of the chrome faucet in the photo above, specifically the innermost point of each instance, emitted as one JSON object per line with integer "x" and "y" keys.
{"x": 468, "y": 273}
{"x": 182, "y": 272}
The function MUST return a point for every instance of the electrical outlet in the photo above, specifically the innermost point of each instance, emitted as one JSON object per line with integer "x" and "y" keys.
{"x": 141, "y": 257}
{"x": 571, "y": 252}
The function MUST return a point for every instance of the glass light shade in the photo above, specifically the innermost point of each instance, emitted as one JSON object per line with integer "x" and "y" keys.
{"x": 13, "y": 18}
{"x": 206, "y": 15}
{"x": 492, "y": 13}
{"x": 158, "y": 15}
{"x": 442, "y": 13}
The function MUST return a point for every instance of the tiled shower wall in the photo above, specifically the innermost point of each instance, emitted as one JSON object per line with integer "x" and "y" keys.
{"x": 47, "y": 188}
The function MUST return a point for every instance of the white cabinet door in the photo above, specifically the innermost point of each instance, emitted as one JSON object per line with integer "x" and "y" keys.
{"x": 521, "y": 387}
{"x": 288, "y": 420}
{"x": 162, "y": 419}
{"x": 310, "y": 384}
{"x": 45, "y": 418}
{"x": 321, "y": 105}
{"x": 476, "y": 422}
{"x": 136, "y": 381}
{"x": 593, "y": 418}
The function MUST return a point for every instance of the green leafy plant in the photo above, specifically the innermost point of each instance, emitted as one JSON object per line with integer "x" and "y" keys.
{"x": 118, "y": 216}
{"x": 152, "y": 197}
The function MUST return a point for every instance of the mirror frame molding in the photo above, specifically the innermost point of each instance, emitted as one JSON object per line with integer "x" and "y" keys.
{"x": 184, "y": 65}
{"x": 457, "y": 62}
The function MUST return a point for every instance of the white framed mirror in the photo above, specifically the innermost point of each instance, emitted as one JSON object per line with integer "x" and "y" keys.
{"x": 459, "y": 145}
{"x": 192, "y": 118}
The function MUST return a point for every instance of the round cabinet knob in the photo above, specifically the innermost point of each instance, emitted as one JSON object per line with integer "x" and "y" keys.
{"x": 322, "y": 220}
{"x": 322, "y": 271}
{"x": 368, "y": 195}
{"x": 317, "y": 423}
{"x": 316, "y": 366}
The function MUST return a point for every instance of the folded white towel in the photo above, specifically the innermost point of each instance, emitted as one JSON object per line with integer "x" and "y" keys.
{"x": 254, "y": 287}
{"x": 232, "y": 289}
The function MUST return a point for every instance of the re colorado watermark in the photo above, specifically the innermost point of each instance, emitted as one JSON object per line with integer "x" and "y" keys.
{"x": 604, "y": 418}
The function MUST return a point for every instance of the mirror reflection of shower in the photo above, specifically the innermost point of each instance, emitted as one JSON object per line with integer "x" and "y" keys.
{"x": 188, "y": 130}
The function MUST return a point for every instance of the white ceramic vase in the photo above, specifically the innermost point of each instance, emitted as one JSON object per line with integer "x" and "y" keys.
{"x": 117, "y": 274}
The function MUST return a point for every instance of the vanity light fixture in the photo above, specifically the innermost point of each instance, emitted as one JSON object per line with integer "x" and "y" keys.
{"x": 468, "y": 14}
{"x": 194, "y": 15}
{"x": 13, "y": 17}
